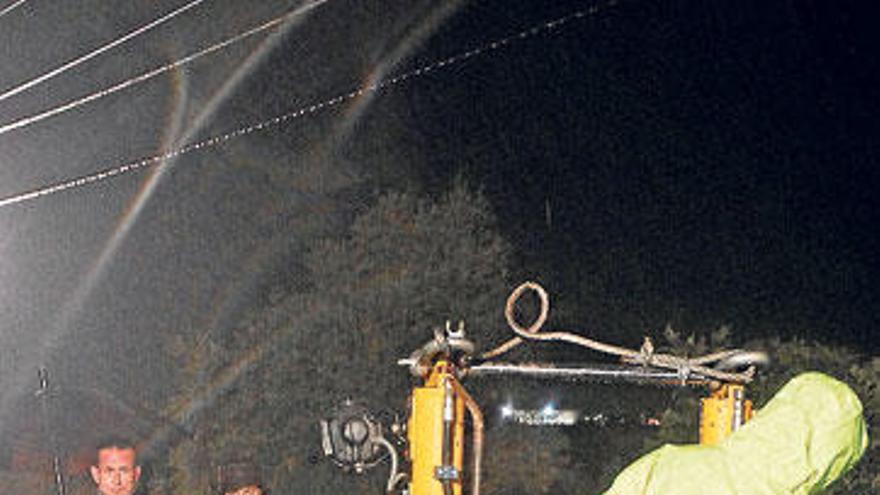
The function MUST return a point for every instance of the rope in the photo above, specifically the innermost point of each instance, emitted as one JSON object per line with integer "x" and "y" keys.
{"x": 645, "y": 356}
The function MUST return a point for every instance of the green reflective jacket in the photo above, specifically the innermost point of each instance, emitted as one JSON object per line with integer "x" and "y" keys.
{"x": 809, "y": 434}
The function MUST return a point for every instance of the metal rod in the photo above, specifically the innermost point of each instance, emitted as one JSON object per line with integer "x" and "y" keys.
{"x": 448, "y": 419}
{"x": 594, "y": 372}
{"x": 478, "y": 426}
{"x": 43, "y": 394}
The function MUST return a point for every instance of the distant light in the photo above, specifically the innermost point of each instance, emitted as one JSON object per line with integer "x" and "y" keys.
{"x": 506, "y": 411}
{"x": 548, "y": 410}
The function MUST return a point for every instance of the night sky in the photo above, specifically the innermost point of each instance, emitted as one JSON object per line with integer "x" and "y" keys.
{"x": 719, "y": 156}
{"x": 697, "y": 163}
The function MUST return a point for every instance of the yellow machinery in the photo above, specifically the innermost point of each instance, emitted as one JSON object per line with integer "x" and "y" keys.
{"x": 433, "y": 437}
{"x": 723, "y": 412}
{"x": 435, "y": 431}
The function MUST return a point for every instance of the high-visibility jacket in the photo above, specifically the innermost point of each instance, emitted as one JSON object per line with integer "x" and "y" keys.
{"x": 809, "y": 434}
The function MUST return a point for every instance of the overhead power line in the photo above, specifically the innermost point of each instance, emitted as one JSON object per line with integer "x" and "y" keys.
{"x": 9, "y": 8}
{"x": 78, "y": 102}
{"x": 85, "y": 180}
{"x": 98, "y": 51}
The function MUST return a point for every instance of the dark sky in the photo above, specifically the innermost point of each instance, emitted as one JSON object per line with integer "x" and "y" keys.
{"x": 719, "y": 156}
{"x": 693, "y": 162}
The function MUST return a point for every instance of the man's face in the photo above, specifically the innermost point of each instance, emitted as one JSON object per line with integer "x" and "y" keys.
{"x": 116, "y": 472}
{"x": 248, "y": 490}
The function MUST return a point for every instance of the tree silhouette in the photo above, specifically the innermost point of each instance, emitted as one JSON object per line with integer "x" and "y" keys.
{"x": 407, "y": 265}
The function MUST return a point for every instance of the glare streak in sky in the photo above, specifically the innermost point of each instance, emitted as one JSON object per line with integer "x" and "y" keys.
{"x": 176, "y": 136}
{"x": 403, "y": 49}
{"x": 376, "y": 86}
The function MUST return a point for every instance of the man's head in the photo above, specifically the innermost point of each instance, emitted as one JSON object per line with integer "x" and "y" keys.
{"x": 247, "y": 490}
{"x": 239, "y": 478}
{"x": 115, "y": 470}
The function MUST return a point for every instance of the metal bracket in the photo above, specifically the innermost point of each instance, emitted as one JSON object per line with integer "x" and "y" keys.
{"x": 446, "y": 473}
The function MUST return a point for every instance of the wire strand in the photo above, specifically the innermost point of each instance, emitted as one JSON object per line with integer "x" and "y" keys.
{"x": 98, "y": 51}
{"x": 78, "y": 102}
{"x": 544, "y": 27}
{"x": 9, "y": 8}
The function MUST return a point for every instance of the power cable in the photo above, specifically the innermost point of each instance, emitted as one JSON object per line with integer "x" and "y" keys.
{"x": 81, "y": 181}
{"x": 98, "y": 51}
{"x": 78, "y": 102}
{"x": 9, "y": 8}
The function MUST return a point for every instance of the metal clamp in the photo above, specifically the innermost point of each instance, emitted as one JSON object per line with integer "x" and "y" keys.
{"x": 447, "y": 473}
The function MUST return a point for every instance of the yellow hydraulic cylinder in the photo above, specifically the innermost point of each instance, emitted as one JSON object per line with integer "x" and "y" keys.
{"x": 723, "y": 412}
{"x": 435, "y": 431}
